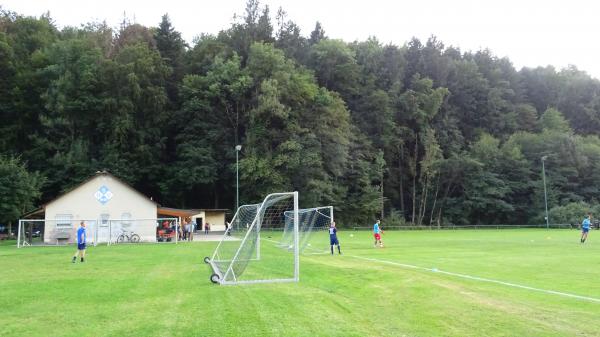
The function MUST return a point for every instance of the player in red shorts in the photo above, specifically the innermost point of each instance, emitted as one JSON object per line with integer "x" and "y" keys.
{"x": 377, "y": 233}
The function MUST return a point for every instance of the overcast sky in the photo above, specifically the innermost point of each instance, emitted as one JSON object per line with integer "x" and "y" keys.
{"x": 531, "y": 33}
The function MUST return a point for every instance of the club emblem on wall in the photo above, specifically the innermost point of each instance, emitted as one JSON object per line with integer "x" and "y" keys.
{"x": 103, "y": 195}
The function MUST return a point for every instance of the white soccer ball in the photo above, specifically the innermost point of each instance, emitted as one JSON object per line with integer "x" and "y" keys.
{"x": 309, "y": 245}
{"x": 351, "y": 235}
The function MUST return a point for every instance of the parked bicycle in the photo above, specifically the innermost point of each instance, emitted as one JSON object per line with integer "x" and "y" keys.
{"x": 128, "y": 236}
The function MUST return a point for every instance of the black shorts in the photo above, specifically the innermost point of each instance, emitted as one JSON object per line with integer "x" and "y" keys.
{"x": 333, "y": 240}
{"x": 81, "y": 246}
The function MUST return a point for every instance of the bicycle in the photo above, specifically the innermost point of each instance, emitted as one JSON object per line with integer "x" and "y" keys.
{"x": 129, "y": 236}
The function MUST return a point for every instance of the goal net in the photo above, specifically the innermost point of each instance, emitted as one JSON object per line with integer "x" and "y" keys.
{"x": 60, "y": 231}
{"x": 248, "y": 252}
{"x": 312, "y": 230}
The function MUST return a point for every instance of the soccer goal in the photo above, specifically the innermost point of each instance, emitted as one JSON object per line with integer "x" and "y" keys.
{"x": 60, "y": 231}
{"x": 312, "y": 226}
{"x": 248, "y": 252}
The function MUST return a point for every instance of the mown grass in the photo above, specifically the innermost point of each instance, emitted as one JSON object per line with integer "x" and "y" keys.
{"x": 163, "y": 290}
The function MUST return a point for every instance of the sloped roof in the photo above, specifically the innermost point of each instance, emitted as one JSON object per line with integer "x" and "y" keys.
{"x": 97, "y": 174}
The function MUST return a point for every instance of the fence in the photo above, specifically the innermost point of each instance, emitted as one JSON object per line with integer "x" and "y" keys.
{"x": 40, "y": 232}
{"x": 142, "y": 230}
{"x": 453, "y": 227}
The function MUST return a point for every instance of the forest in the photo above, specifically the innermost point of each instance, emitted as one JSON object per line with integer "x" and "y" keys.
{"x": 420, "y": 134}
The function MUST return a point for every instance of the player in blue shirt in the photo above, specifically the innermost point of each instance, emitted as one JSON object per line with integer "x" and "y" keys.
{"x": 81, "y": 236}
{"x": 377, "y": 233}
{"x": 333, "y": 240}
{"x": 585, "y": 227}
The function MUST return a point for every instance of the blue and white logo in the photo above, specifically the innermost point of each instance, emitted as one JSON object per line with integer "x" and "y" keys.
{"x": 103, "y": 195}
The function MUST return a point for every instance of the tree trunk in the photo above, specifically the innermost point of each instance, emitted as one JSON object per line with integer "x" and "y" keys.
{"x": 414, "y": 186}
{"x": 437, "y": 188}
{"x": 382, "y": 200}
{"x": 10, "y": 230}
{"x": 401, "y": 180}
{"x": 381, "y": 177}
{"x": 216, "y": 202}
{"x": 423, "y": 205}
{"x": 443, "y": 202}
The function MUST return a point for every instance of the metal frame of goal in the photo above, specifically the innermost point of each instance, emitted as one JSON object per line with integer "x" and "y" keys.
{"x": 240, "y": 258}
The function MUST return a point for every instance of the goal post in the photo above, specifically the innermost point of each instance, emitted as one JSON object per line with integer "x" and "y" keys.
{"x": 247, "y": 252}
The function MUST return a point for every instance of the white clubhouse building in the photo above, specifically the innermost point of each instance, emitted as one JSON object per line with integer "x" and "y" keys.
{"x": 110, "y": 206}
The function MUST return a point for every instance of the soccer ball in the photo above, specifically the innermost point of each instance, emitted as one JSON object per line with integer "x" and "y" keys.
{"x": 351, "y": 235}
{"x": 309, "y": 244}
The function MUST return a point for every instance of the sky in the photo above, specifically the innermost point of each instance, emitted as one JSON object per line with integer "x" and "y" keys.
{"x": 530, "y": 33}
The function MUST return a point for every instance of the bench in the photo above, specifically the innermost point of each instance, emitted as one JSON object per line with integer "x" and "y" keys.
{"x": 62, "y": 236}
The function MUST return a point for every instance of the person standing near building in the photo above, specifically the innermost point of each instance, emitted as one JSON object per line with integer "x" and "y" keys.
{"x": 186, "y": 230}
{"x": 81, "y": 237}
{"x": 190, "y": 228}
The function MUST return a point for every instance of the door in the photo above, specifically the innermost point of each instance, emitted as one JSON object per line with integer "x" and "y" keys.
{"x": 199, "y": 225}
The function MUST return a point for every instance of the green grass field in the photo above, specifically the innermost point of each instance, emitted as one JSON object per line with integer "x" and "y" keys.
{"x": 163, "y": 289}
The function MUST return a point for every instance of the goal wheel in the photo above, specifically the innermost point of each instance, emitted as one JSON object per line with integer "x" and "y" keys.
{"x": 206, "y": 259}
{"x": 214, "y": 278}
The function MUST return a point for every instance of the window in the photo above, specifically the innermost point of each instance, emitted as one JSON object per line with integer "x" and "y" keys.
{"x": 64, "y": 220}
{"x": 104, "y": 219}
{"x": 126, "y": 219}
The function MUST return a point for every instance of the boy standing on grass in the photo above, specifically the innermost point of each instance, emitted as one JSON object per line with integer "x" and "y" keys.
{"x": 333, "y": 240}
{"x": 585, "y": 227}
{"x": 81, "y": 236}
{"x": 377, "y": 233}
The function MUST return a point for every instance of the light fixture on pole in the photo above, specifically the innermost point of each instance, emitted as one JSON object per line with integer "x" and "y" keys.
{"x": 545, "y": 193}
{"x": 238, "y": 148}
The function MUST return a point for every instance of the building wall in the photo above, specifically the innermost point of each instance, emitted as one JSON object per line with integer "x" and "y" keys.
{"x": 216, "y": 219}
{"x": 119, "y": 201}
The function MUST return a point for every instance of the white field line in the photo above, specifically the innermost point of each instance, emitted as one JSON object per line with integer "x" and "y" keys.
{"x": 482, "y": 279}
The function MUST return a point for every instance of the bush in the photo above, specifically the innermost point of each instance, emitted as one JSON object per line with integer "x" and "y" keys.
{"x": 572, "y": 213}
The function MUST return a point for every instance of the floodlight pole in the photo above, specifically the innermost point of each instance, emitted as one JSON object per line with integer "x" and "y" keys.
{"x": 545, "y": 193}
{"x": 238, "y": 148}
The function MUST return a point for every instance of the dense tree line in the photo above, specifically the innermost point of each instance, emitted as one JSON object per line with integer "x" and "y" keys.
{"x": 421, "y": 133}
